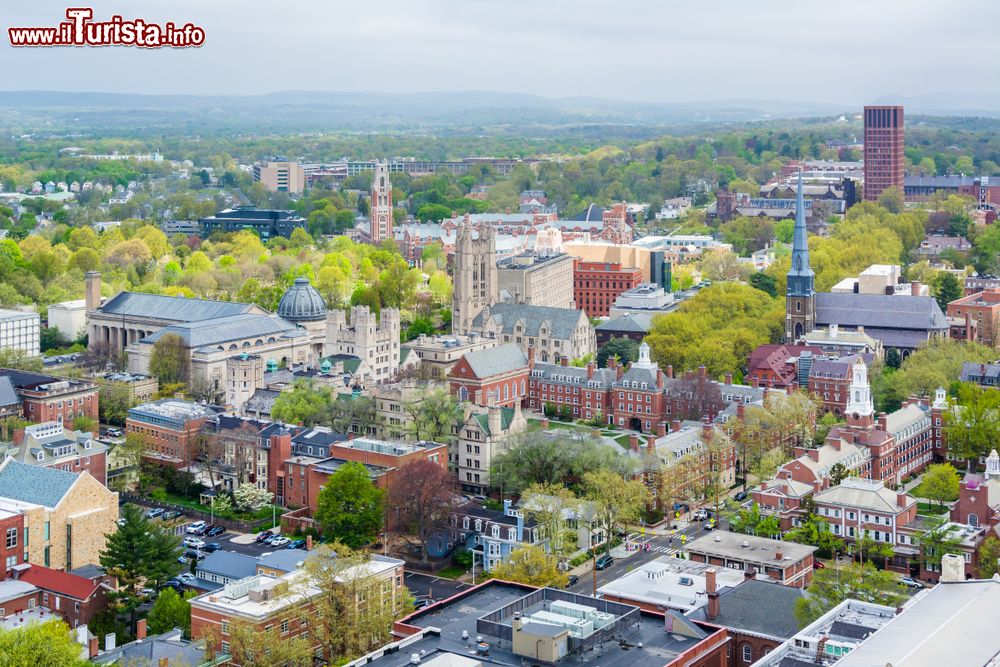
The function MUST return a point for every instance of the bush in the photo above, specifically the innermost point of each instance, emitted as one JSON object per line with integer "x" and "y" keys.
{"x": 462, "y": 558}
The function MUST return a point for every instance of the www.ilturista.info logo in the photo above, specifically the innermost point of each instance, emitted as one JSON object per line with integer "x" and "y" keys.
{"x": 80, "y": 30}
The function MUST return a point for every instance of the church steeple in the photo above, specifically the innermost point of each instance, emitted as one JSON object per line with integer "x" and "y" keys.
{"x": 800, "y": 294}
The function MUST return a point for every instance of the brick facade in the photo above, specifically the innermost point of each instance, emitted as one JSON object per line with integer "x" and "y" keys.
{"x": 596, "y": 285}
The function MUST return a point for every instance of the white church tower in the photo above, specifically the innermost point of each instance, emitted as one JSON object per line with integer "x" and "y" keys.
{"x": 859, "y": 400}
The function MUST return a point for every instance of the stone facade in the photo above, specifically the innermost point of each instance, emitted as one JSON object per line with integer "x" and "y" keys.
{"x": 380, "y": 205}
{"x": 376, "y": 342}
{"x": 475, "y": 276}
{"x": 536, "y": 279}
{"x": 483, "y": 433}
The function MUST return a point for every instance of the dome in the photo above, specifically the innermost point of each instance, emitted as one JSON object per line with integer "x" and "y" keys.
{"x": 326, "y": 367}
{"x": 302, "y": 303}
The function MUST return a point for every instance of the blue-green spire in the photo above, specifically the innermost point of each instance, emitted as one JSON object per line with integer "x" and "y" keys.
{"x": 800, "y": 276}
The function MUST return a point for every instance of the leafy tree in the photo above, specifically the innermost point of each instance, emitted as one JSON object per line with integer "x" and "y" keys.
{"x": 548, "y": 505}
{"x": 935, "y": 365}
{"x": 170, "y": 611}
{"x": 140, "y": 551}
{"x": 250, "y": 647}
{"x": 892, "y": 358}
{"x": 891, "y": 199}
{"x": 422, "y": 497}
{"x": 765, "y": 283}
{"x": 971, "y": 427}
{"x": 169, "y": 360}
{"x": 85, "y": 423}
{"x": 815, "y": 531}
{"x": 838, "y": 473}
{"x": 421, "y": 325}
{"x": 832, "y": 586}
{"x": 946, "y": 289}
{"x": 42, "y": 644}
{"x": 433, "y": 415}
{"x": 533, "y": 566}
{"x": 305, "y": 404}
{"x": 541, "y": 458}
{"x": 19, "y": 359}
{"x": 349, "y": 507}
{"x": 624, "y": 349}
{"x": 937, "y": 539}
{"x": 617, "y": 501}
{"x": 750, "y": 521}
{"x": 988, "y": 556}
{"x": 940, "y": 483}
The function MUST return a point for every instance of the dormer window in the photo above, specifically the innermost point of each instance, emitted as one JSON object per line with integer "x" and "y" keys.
{"x": 496, "y": 531}
{"x": 511, "y": 534}
{"x": 479, "y": 525}
{"x": 40, "y": 456}
{"x": 465, "y": 523}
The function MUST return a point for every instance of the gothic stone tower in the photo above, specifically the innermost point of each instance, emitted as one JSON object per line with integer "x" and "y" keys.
{"x": 800, "y": 296}
{"x": 380, "y": 207}
{"x": 475, "y": 275}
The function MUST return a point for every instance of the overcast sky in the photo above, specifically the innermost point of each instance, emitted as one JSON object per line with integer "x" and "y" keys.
{"x": 848, "y": 51}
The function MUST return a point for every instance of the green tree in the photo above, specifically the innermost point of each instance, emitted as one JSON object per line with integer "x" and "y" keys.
{"x": 935, "y": 365}
{"x": 765, "y": 283}
{"x": 305, "y": 404}
{"x": 170, "y": 610}
{"x": 48, "y": 644}
{"x": 750, "y": 521}
{"x": 971, "y": 427}
{"x": 531, "y": 565}
{"x": 625, "y": 350}
{"x": 140, "y": 551}
{"x": 838, "y": 473}
{"x": 169, "y": 360}
{"x": 892, "y": 200}
{"x": 946, "y": 289}
{"x": 250, "y": 647}
{"x": 988, "y": 556}
{"x": 938, "y": 538}
{"x": 892, "y": 358}
{"x": 617, "y": 501}
{"x": 349, "y": 507}
{"x": 832, "y": 586}
{"x": 19, "y": 359}
{"x": 940, "y": 483}
{"x": 433, "y": 415}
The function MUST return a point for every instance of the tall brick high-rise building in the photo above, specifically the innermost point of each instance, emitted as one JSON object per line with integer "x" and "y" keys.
{"x": 883, "y": 150}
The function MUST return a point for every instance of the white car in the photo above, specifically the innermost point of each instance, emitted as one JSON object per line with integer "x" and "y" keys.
{"x": 196, "y": 526}
{"x": 279, "y": 542}
{"x": 194, "y": 543}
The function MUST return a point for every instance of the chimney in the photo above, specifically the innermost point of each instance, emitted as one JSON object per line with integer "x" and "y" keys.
{"x": 660, "y": 382}
{"x": 914, "y": 288}
{"x": 952, "y": 569}
{"x": 740, "y": 410}
{"x": 633, "y": 442}
{"x": 619, "y": 372}
{"x": 670, "y": 371}
{"x": 531, "y": 356}
{"x": 651, "y": 444}
{"x": 749, "y": 574}
{"x": 702, "y": 371}
{"x": 612, "y": 363}
{"x": 109, "y": 641}
{"x": 901, "y": 500}
{"x": 706, "y": 427}
{"x": 140, "y": 629}
{"x": 778, "y": 555}
{"x": 813, "y": 454}
{"x": 493, "y": 421}
{"x": 729, "y": 378}
{"x": 92, "y": 290}
{"x": 564, "y": 360}
{"x": 92, "y": 647}
{"x": 713, "y": 594}
{"x": 591, "y": 368}
{"x": 753, "y": 381}
{"x": 675, "y": 425}
{"x": 18, "y": 436}
{"x": 661, "y": 429}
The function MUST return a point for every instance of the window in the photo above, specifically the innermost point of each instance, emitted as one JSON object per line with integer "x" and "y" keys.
{"x": 747, "y": 653}
{"x": 11, "y": 538}
{"x": 284, "y": 627}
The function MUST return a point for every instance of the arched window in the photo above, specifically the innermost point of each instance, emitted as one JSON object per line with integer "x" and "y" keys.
{"x": 506, "y": 392}
{"x": 747, "y": 653}
{"x": 463, "y": 394}
{"x": 522, "y": 388}
{"x": 973, "y": 520}
{"x": 513, "y": 389}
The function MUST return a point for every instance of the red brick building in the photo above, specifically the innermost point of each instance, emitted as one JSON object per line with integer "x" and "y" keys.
{"x": 11, "y": 539}
{"x": 50, "y": 399}
{"x": 498, "y": 376}
{"x": 596, "y": 285}
{"x": 830, "y": 381}
{"x": 983, "y": 309}
{"x": 580, "y": 392}
{"x": 51, "y": 445}
{"x": 787, "y": 563}
{"x": 77, "y": 599}
{"x": 884, "y": 157}
{"x": 170, "y": 428}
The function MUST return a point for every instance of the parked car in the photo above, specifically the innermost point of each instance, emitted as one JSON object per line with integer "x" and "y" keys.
{"x": 173, "y": 583}
{"x": 153, "y": 513}
{"x": 740, "y": 496}
{"x": 819, "y": 565}
{"x": 481, "y": 499}
{"x": 709, "y": 525}
{"x": 700, "y": 515}
{"x": 114, "y": 433}
{"x": 194, "y": 554}
{"x": 194, "y": 542}
{"x": 297, "y": 544}
{"x": 215, "y": 531}
{"x": 172, "y": 514}
{"x": 572, "y": 580}
{"x": 212, "y": 547}
{"x": 266, "y": 535}
{"x": 910, "y": 582}
{"x": 197, "y": 527}
{"x": 279, "y": 542}
{"x": 420, "y": 603}
{"x": 604, "y": 562}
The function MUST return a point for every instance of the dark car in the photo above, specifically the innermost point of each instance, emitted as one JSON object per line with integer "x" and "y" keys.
{"x": 153, "y": 513}
{"x": 420, "y": 603}
{"x": 174, "y": 584}
{"x": 741, "y": 496}
{"x": 193, "y": 554}
{"x": 572, "y": 580}
{"x": 172, "y": 514}
{"x": 266, "y": 535}
{"x": 604, "y": 562}
{"x": 215, "y": 531}
{"x": 296, "y": 544}
{"x": 211, "y": 547}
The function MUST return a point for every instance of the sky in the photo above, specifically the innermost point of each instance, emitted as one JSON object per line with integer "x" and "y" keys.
{"x": 845, "y": 52}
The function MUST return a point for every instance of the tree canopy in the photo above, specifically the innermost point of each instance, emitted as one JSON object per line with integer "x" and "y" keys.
{"x": 349, "y": 507}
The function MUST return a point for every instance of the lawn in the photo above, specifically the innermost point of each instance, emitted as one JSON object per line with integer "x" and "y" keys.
{"x": 453, "y": 572}
{"x": 931, "y": 509}
{"x": 263, "y": 513}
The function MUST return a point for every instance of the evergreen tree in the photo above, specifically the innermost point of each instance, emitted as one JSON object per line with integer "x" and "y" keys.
{"x": 140, "y": 551}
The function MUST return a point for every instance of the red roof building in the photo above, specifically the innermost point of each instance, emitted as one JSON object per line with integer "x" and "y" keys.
{"x": 776, "y": 366}
{"x": 77, "y": 599}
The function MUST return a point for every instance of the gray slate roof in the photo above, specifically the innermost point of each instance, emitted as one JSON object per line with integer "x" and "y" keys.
{"x": 228, "y": 564}
{"x": 880, "y": 311}
{"x": 503, "y": 359}
{"x": 175, "y": 308}
{"x": 572, "y": 375}
{"x": 169, "y": 646}
{"x": 562, "y": 321}
{"x": 285, "y": 559}
{"x": 760, "y": 607}
{"x": 629, "y": 323}
{"x": 206, "y": 333}
{"x": 7, "y": 394}
{"x": 34, "y": 484}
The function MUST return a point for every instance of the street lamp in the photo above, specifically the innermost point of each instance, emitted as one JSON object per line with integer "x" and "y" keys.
{"x": 473, "y": 552}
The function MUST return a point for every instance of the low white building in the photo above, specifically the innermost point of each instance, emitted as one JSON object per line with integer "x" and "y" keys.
{"x": 20, "y": 331}
{"x": 70, "y": 318}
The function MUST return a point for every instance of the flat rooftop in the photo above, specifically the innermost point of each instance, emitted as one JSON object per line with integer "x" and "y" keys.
{"x": 749, "y": 548}
{"x": 670, "y": 582}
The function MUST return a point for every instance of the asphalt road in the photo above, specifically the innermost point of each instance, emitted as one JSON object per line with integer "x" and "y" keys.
{"x": 433, "y": 588}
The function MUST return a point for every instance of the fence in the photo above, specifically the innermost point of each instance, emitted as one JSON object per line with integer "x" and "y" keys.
{"x": 229, "y": 524}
